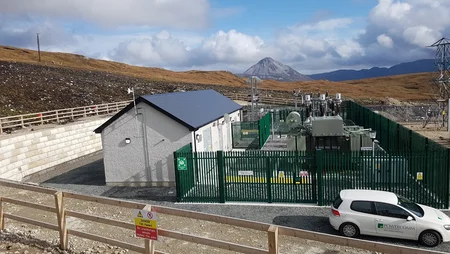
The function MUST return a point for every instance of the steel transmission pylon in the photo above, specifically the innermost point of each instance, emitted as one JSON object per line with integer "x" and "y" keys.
{"x": 441, "y": 77}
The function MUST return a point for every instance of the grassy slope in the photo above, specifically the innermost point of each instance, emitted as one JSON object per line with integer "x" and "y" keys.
{"x": 403, "y": 87}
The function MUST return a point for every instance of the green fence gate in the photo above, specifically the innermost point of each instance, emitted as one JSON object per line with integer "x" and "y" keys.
{"x": 270, "y": 176}
{"x": 261, "y": 176}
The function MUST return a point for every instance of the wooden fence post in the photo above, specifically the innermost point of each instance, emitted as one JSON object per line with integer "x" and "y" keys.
{"x": 61, "y": 217}
{"x": 272, "y": 235}
{"x": 1, "y": 127}
{"x": 149, "y": 246}
{"x": 57, "y": 116}
{"x": 2, "y": 218}
{"x": 21, "y": 121}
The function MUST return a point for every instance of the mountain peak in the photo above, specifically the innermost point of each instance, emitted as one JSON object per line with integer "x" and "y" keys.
{"x": 267, "y": 59}
{"x": 269, "y": 68}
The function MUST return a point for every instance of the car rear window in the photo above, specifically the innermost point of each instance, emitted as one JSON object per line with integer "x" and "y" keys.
{"x": 337, "y": 202}
{"x": 363, "y": 207}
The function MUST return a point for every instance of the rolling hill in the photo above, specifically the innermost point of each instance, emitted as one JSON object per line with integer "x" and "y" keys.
{"x": 419, "y": 66}
{"x": 63, "y": 80}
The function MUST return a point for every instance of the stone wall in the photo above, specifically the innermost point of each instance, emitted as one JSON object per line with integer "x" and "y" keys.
{"x": 32, "y": 152}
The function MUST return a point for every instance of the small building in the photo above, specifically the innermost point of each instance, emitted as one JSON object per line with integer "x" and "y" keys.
{"x": 138, "y": 142}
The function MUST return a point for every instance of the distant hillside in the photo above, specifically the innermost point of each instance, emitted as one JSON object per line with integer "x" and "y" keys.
{"x": 419, "y": 66}
{"x": 64, "y": 80}
{"x": 268, "y": 68}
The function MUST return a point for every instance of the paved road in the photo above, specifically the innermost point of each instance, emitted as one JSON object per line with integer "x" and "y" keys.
{"x": 90, "y": 179}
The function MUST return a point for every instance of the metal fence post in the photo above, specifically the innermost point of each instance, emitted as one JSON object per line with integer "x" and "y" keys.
{"x": 447, "y": 186}
{"x": 221, "y": 174}
{"x": 319, "y": 167}
{"x": 177, "y": 177}
{"x": 268, "y": 180}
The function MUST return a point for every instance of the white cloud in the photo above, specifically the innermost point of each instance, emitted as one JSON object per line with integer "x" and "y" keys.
{"x": 395, "y": 31}
{"x": 116, "y": 13}
{"x": 163, "y": 49}
{"x": 158, "y": 50}
{"x": 322, "y": 25}
{"x": 421, "y": 36}
{"x": 385, "y": 41}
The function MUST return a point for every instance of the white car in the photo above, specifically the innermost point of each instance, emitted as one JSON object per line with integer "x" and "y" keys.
{"x": 381, "y": 213}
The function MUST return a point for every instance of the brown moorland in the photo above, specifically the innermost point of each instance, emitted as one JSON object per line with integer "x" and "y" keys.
{"x": 412, "y": 87}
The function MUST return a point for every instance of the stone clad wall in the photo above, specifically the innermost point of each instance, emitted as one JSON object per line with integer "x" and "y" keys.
{"x": 32, "y": 152}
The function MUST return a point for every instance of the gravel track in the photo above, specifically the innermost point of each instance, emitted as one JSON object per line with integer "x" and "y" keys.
{"x": 302, "y": 217}
{"x": 90, "y": 180}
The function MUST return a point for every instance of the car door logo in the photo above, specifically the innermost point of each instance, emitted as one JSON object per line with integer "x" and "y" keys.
{"x": 380, "y": 225}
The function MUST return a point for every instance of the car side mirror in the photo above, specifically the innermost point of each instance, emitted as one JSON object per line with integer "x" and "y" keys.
{"x": 410, "y": 218}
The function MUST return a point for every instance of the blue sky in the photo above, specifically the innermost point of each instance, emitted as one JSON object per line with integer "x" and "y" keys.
{"x": 310, "y": 36}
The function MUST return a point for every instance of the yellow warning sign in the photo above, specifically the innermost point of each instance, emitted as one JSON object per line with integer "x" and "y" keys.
{"x": 145, "y": 223}
{"x": 139, "y": 214}
{"x": 419, "y": 176}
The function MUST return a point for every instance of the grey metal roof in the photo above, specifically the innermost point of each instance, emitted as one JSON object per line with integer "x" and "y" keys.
{"x": 193, "y": 108}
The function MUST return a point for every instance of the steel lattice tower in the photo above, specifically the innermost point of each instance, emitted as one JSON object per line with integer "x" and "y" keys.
{"x": 441, "y": 75}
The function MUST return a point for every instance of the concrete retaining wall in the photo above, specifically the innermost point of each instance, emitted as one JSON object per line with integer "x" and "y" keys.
{"x": 32, "y": 152}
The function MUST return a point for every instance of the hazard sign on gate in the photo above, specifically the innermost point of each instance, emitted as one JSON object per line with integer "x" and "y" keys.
{"x": 146, "y": 224}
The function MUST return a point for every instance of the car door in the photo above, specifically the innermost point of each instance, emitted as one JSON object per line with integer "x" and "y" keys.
{"x": 391, "y": 221}
{"x": 363, "y": 212}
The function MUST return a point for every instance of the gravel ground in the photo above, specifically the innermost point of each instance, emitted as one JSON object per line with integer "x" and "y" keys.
{"x": 21, "y": 238}
{"x": 90, "y": 180}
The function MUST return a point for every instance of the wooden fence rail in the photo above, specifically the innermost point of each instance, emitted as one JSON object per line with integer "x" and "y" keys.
{"x": 68, "y": 114}
{"x": 59, "y": 115}
{"x": 273, "y": 231}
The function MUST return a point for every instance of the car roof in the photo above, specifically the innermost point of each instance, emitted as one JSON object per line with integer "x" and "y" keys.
{"x": 369, "y": 195}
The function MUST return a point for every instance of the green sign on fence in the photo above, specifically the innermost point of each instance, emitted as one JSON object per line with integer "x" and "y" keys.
{"x": 182, "y": 163}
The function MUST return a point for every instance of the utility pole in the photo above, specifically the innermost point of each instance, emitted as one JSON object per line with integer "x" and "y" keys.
{"x": 39, "y": 46}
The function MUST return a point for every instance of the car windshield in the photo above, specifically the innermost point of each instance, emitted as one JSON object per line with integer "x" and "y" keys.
{"x": 410, "y": 206}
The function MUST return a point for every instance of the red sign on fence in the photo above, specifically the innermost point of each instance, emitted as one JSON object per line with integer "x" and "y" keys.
{"x": 147, "y": 233}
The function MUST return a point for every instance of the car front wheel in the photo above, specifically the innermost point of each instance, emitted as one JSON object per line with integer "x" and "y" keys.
{"x": 349, "y": 230}
{"x": 430, "y": 238}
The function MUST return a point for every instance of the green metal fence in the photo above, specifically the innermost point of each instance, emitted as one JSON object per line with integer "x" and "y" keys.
{"x": 264, "y": 125}
{"x": 301, "y": 177}
{"x": 245, "y": 135}
{"x": 405, "y": 173}
{"x": 391, "y": 135}
{"x": 410, "y": 165}
{"x": 252, "y": 134}
{"x": 264, "y": 176}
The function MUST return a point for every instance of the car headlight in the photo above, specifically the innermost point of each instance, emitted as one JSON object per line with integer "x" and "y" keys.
{"x": 447, "y": 227}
